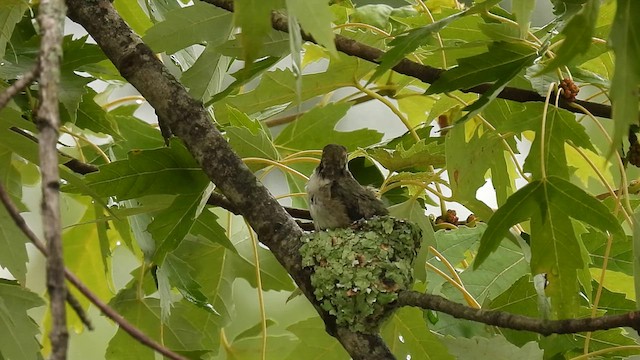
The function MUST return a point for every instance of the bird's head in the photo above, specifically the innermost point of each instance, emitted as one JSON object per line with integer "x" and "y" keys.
{"x": 334, "y": 160}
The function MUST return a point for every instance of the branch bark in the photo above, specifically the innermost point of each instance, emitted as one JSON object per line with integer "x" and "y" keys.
{"x": 421, "y": 72}
{"x": 518, "y": 322}
{"x": 51, "y": 19}
{"x": 189, "y": 121}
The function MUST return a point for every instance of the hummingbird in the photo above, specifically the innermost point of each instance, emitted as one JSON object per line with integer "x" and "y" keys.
{"x": 336, "y": 199}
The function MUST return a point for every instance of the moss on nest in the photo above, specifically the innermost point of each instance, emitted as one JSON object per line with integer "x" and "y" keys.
{"x": 357, "y": 271}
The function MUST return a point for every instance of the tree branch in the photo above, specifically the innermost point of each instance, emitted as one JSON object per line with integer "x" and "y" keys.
{"x": 421, "y": 72}
{"x": 17, "y": 86}
{"x": 51, "y": 19}
{"x": 108, "y": 311}
{"x": 518, "y": 322}
{"x": 189, "y": 121}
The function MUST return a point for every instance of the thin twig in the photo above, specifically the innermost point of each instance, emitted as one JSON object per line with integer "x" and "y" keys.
{"x": 17, "y": 86}
{"x": 84, "y": 290}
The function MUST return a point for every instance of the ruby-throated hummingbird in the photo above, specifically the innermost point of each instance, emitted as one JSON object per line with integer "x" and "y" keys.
{"x": 336, "y": 199}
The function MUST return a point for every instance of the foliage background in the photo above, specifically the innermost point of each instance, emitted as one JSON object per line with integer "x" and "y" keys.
{"x": 142, "y": 218}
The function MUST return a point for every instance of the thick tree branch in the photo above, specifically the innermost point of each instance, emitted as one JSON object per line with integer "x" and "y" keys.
{"x": 51, "y": 19}
{"x": 73, "y": 279}
{"x": 518, "y": 322}
{"x": 421, "y": 72}
{"x": 189, "y": 121}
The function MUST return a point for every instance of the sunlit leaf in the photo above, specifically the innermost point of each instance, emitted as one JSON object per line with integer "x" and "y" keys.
{"x": 625, "y": 40}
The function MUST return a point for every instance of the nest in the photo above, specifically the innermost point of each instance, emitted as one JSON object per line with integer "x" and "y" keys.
{"x": 358, "y": 271}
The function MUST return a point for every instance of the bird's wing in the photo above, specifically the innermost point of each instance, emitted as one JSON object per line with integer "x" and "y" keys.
{"x": 359, "y": 201}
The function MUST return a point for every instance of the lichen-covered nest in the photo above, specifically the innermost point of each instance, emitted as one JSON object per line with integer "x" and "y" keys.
{"x": 357, "y": 271}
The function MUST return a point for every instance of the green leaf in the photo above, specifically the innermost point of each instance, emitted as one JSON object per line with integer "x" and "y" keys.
{"x": 636, "y": 255}
{"x": 248, "y": 138}
{"x": 190, "y": 25}
{"x": 419, "y": 157}
{"x": 276, "y": 44}
{"x": 496, "y": 347}
{"x": 248, "y": 73}
{"x": 561, "y": 127}
{"x": 315, "y": 129}
{"x": 207, "y": 226}
{"x": 92, "y": 116}
{"x": 204, "y": 77}
{"x": 507, "y": 265}
{"x": 72, "y": 89}
{"x": 500, "y": 64}
{"x": 315, "y": 18}
{"x": 11, "y": 12}
{"x": 406, "y": 333}
{"x": 620, "y": 254}
{"x": 315, "y": 343}
{"x": 82, "y": 253}
{"x": 278, "y": 89}
{"x": 11, "y": 178}
{"x": 625, "y": 40}
{"x": 467, "y": 166}
{"x": 373, "y": 14}
{"x": 188, "y": 329}
{"x": 254, "y": 18}
{"x": 522, "y": 10}
{"x": 170, "y": 226}
{"x": 180, "y": 275}
{"x": 146, "y": 172}
{"x": 12, "y": 241}
{"x": 243, "y": 264}
{"x": 207, "y": 261}
{"x": 407, "y": 43}
{"x": 18, "y": 340}
{"x": 136, "y": 134}
{"x": 578, "y": 33}
{"x": 135, "y": 17}
{"x": 549, "y": 203}
{"x": 412, "y": 211}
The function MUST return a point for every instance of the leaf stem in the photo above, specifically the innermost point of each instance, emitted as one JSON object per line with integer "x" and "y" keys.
{"x": 543, "y": 125}
{"x": 263, "y": 314}
{"x": 391, "y": 107}
{"x": 255, "y": 160}
{"x": 467, "y": 296}
{"x": 364, "y": 26}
